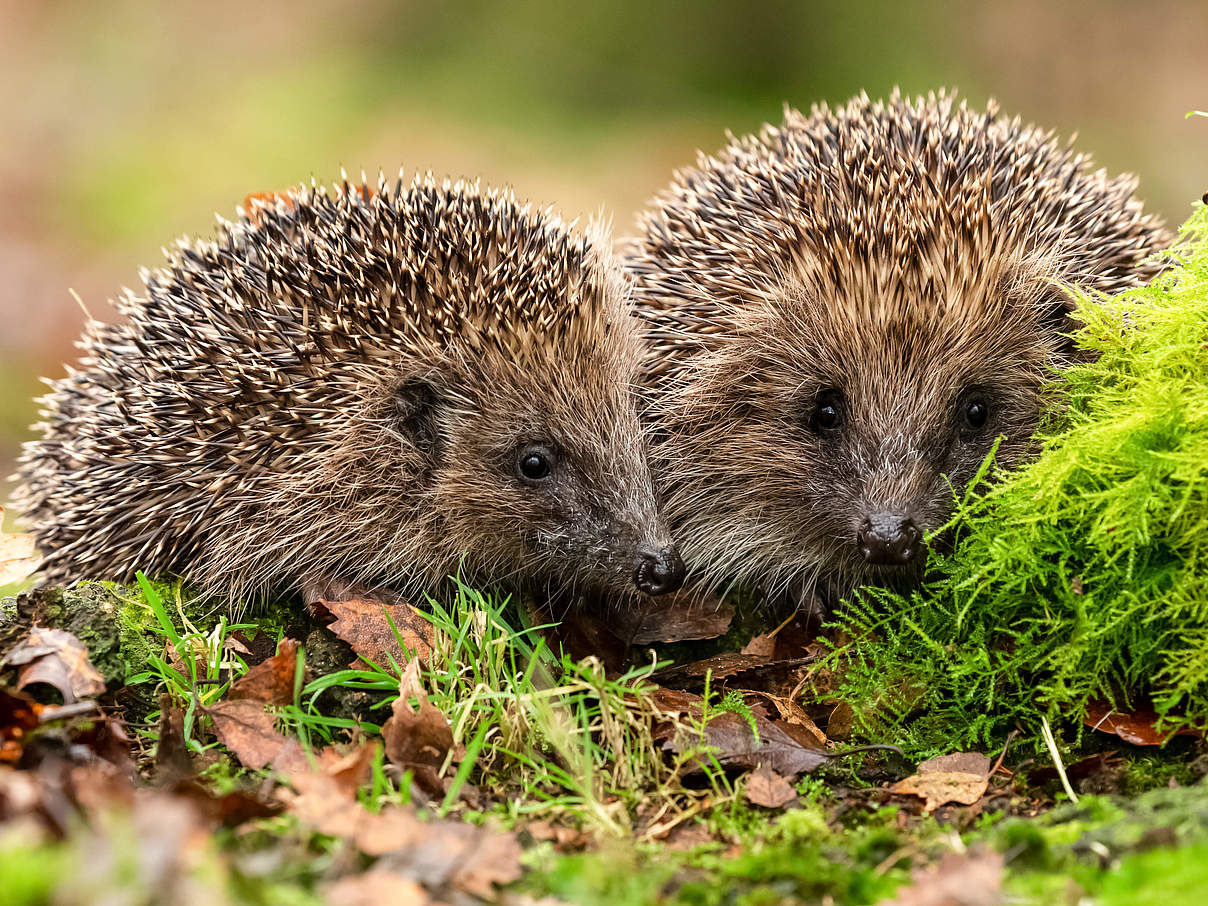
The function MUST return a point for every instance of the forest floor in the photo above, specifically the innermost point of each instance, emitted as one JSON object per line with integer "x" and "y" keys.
{"x": 364, "y": 752}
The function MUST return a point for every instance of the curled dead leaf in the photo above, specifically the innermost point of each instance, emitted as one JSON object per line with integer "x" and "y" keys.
{"x": 735, "y": 745}
{"x": 686, "y": 615}
{"x": 417, "y": 738}
{"x": 59, "y": 659}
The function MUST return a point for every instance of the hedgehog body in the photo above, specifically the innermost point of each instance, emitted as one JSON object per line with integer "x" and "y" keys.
{"x": 358, "y": 389}
{"x": 846, "y": 311}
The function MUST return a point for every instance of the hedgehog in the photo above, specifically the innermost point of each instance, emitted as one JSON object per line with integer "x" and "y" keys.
{"x": 350, "y": 390}
{"x": 846, "y": 313}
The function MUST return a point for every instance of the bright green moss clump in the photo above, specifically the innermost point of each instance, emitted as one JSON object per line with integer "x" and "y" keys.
{"x": 1084, "y": 574}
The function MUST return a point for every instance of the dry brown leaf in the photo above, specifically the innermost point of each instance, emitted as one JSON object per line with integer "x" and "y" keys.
{"x": 271, "y": 681}
{"x": 173, "y": 763}
{"x": 248, "y": 730}
{"x": 684, "y": 616}
{"x": 767, "y": 788}
{"x": 960, "y": 879}
{"x": 18, "y": 556}
{"x": 761, "y": 646}
{"x": 462, "y": 856}
{"x": 375, "y": 888}
{"x": 1138, "y": 727}
{"x": 418, "y": 738}
{"x": 363, "y": 624}
{"x": 777, "y": 748}
{"x": 59, "y": 659}
{"x": 937, "y": 788}
{"x": 791, "y": 713}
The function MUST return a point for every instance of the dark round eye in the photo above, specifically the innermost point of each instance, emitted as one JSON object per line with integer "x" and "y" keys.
{"x": 534, "y": 464}
{"x": 827, "y": 414}
{"x": 976, "y": 413}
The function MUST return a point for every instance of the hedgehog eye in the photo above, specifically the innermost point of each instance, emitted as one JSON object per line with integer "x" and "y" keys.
{"x": 827, "y": 414}
{"x": 535, "y": 464}
{"x": 974, "y": 412}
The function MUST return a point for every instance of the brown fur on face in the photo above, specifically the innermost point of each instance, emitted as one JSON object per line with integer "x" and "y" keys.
{"x": 337, "y": 393}
{"x": 895, "y": 262}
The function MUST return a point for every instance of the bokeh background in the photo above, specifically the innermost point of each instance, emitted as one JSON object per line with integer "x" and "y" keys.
{"x": 125, "y": 124}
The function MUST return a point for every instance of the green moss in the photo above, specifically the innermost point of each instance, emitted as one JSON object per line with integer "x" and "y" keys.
{"x": 1085, "y": 573}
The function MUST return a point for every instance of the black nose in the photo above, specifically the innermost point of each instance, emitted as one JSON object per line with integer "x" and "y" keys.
{"x": 658, "y": 572}
{"x": 889, "y": 539}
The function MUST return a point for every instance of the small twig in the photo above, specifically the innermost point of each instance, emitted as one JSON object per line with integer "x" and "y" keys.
{"x": 1003, "y": 754}
{"x": 1047, "y": 733}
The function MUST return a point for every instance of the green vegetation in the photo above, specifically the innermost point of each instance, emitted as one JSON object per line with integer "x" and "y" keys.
{"x": 1083, "y": 575}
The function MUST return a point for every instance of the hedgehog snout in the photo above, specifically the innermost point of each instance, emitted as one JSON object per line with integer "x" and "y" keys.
{"x": 889, "y": 538}
{"x": 658, "y": 572}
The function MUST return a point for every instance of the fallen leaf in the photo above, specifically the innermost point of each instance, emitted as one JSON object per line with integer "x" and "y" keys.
{"x": 321, "y": 801}
{"x": 435, "y": 853}
{"x": 59, "y": 659}
{"x": 790, "y": 712}
{"x": 461, "y": 856}
{"x": 675, "y": 701}
{"x": 960, "y": 879}
{"x": 734, "y": 741}
{"x": 173, "y": 763}
{"x": 686, "y": 615}
{"x": 18, "y": 556}
{"x": 761, "y": 646}
{"x": 363, "y": 624}
{"x": 417, "y": 738}
{"x": 767, "y": 788}
{"x": 959, "y": 762}
{"x": 230, "y": 809}
{"x": 1137, "y": 727}
{"x": 937, "y": 788}
{"x": 248, "y": 730}
{"x": 271, "y": 681}
{"x": 375, "y": 888}
{"x": 719, "y": 666}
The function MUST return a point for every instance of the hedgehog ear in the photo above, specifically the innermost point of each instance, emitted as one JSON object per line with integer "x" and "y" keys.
{"x": 417, "y": 405}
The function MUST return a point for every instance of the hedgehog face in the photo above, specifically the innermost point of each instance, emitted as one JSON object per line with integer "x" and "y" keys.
{"x": 543, "y": 472}
{"x": 864, "y": 434}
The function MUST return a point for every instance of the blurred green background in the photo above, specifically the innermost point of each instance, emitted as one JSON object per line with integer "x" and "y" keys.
{"x": 128, "y": 124}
